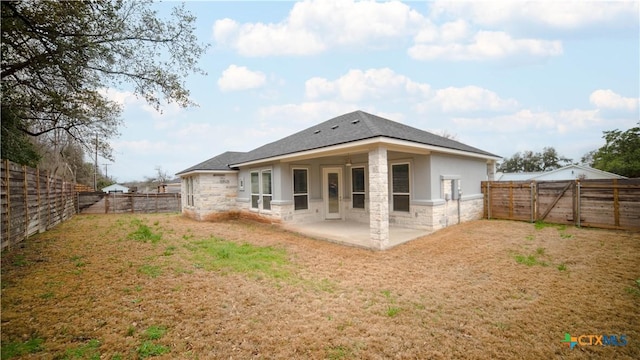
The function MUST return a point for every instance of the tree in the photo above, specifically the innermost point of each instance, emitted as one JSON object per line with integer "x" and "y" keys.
{"x": 159, "y": 178}
{"x": 528, "y": 161}
{"x": 60, "y": 57}
{"x": 621, "y": 153}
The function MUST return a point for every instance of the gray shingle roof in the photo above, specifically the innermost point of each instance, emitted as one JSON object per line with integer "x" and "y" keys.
{"x": 354, "y": 126}
{"x": 350, "y": 127}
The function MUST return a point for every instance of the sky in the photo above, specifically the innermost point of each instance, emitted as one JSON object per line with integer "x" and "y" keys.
{"x": 502, "y": 76}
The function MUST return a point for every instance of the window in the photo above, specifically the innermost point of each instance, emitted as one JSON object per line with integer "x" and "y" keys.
{"x": 357, "y": 188}
{"x": 261, "y": 189}
{"x": 266, "y": 190}
{"x": 300, "y": 189}
{"x": 255, "y": 189}
{"x": 189, "y": 186}
{"x": 400, "y": 187}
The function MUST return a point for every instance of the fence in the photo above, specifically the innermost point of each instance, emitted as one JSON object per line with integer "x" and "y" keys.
{"x": 132, "y": 203}
{"x": 611, "y": 204}
{"x": 32, "y": 201}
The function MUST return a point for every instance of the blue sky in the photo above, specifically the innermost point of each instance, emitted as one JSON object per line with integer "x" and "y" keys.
{"x": 503, "y": 76}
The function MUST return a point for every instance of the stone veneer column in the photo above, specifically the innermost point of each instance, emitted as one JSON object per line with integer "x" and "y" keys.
{"x": 379, "y": 198}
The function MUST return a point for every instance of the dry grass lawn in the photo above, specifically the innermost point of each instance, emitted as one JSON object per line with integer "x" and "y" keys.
{"x": 163, "y": 286}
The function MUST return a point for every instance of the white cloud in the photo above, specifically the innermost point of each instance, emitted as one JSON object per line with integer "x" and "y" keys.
{"x": 162, "y": 118}
{"x": 607, "y": 99}
{"x": 122, "y": 98}
{"x": 551, "y": 14}
{"x": 357, "y": 84}
{"x": 224, "y": 31}
{"x": 304, "y": 113}
{"x": 314, "y": 26}
{"x": 236, "y": 78}
{"x": 484, "y": 45}
{"x": 526, "y": 121}
{"x": 468, "y": 98}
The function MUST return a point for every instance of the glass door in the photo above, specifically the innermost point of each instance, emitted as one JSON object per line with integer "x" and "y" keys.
{"x": 332, "y": 193}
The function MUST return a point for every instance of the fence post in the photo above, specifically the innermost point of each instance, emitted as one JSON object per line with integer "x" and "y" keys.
{"x": 531, "y": 186}
{"x": 578, "y": 200}
{"x": 8, "y": 226}
{"x": 38, "y": 192}
{"x": 26, "y": 201}
{"x": 511, "y": 200}
{"x": 48, "y": 200}
{"x": 616, "y": 204}
{"x": 488, "y": 200}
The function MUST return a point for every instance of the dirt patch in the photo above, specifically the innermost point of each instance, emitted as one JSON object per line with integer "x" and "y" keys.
{"x": 484, "y": 289}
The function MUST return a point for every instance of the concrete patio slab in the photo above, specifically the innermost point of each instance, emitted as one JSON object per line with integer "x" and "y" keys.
{"x": 352, "y": 233}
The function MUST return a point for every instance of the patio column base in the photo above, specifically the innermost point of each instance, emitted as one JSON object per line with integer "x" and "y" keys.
{"x": 379, "y": 198}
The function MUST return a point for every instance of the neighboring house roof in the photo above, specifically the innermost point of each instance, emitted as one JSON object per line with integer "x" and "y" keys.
{"x": 173, "y": 181}
{"x": 569, "y": 172}
{"x": 523, "y": 176}
{"x": 347, "y": 128}
{"x": 115, "y": 187}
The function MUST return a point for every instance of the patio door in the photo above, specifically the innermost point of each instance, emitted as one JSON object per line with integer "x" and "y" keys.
{"x": 332, "y": 192}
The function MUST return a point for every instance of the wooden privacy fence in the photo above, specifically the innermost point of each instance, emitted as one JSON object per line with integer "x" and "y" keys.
{"x": 610, "y": 204}
{"x": 115, "y": 203}
{"x": 32, "y": 202}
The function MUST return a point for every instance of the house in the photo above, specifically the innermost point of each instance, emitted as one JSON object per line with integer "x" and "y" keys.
{"x": 569, "y": 172}
{"x": 356, "y": 168}
{"x": 170, "y": 186}
{"x": 115, "y": 188}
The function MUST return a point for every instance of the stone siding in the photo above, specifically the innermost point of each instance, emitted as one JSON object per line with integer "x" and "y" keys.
{"x": 379, "y": 198}
{"x": 213, "y": 194}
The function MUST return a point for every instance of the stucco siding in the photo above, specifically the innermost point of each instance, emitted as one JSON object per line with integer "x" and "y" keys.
{"x": 470, "y": 171}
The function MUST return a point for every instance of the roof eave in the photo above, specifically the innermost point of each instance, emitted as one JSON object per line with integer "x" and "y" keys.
{"x": 197, "y": 171}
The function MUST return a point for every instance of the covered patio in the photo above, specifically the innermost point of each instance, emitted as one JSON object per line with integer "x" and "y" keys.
{"x": 353, "y": 233}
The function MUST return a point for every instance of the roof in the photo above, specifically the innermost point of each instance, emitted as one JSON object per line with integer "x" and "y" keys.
{"x": 347, "y": 128}
{"x": 523, "y": 176}
{"x": 217, "y": 163}
{"x": 354, "y": 126}
{"x": 115, "y": 186}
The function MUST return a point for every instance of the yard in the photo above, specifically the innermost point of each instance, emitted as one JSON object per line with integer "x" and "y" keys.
{"x": 163, "y": 286}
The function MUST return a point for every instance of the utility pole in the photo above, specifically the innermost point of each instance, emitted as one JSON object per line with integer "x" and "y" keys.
{"x": 106, "y": 174}
{"x": 95, "y": 172}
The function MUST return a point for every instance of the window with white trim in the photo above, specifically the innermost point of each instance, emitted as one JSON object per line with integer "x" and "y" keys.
{"x": 300, "y": 189}
{"x": 255, "y": 189}
{"x": 189, "y": 190}
{"x": 357, "y": 187}
{"x": 400, "y": 187}
{"x": 261, "y": 190}
{"x": 266, "y": 190}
